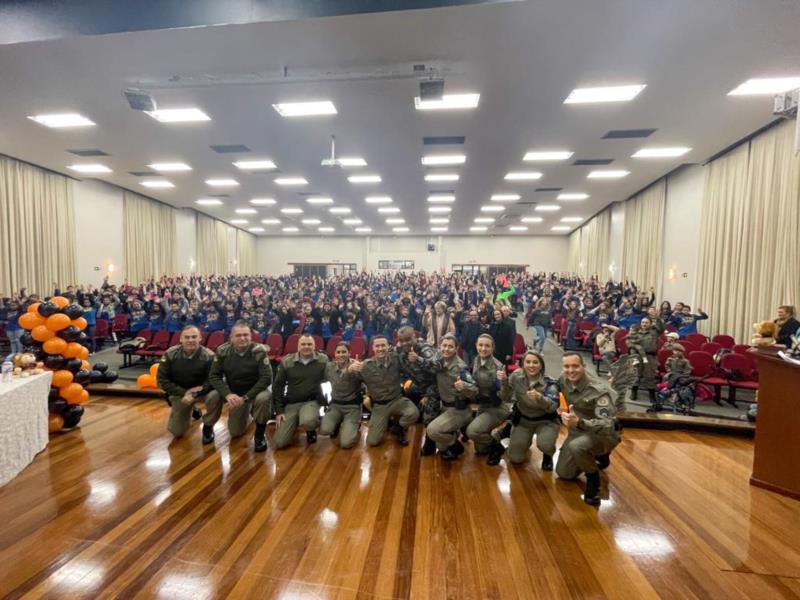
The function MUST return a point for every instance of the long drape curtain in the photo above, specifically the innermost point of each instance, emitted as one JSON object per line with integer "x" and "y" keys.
{"x": 749, "y": 248}
{"x": 595, "y": 240}
{"x": 212, "y": 246}
{"x": 149, "y": 238}
{"x": 246, "y": 249}
{"x": 643, "y": 237}
{"x": 37, "y": 229}
{"x": 574, "y": 252}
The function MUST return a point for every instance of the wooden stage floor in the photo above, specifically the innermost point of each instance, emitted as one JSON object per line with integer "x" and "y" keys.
{"x": 117, "y": 510}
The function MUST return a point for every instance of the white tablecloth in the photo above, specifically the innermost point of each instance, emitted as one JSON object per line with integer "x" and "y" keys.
{"x": 23, "y": 422}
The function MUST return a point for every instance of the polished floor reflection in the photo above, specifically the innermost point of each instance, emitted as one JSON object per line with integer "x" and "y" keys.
{"x": 117, "y": 510}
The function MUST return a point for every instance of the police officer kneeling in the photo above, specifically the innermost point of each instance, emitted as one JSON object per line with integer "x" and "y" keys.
{"x": 593, "y": 429}
{"x": 240, "y": 375}
{"x": 183, "y": 375}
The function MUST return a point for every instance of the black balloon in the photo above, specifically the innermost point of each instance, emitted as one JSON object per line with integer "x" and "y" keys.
{"x": 26, "y": 339}
{"x": 110, "y": 376}
{"x": 73, "y": 365}
{"x": 70, "y": 334}
{"x": 100, "y": 366}
{"x": 53, "y": 395}
{"x": 95, "y": 376}
{"x": 73, "y": 311}
{"x": 82, "y": 338}
{"x": 81, "y": 376}
{"x": 38, "y": 352}
{"x": 72, "y": 416}
{"x": 57, "y": 406}
{"x": 54, "y": 361}
{"x": 47, "y": 309}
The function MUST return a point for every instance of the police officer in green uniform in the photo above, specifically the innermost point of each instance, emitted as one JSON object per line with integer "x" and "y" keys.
{"x": 382, "y": 376}
{"x": 535, "y": 409}
{"x": 183, "y": 375}
{"x": 647, "y": 341}
{"x": 490, "y": 376}
{"x": 343, "y": 418}
{"x": 593, "y": 429}
{"x": 297, "y": 392}
{"x": 240, "y": 375}
{"x": 456, "y": 388}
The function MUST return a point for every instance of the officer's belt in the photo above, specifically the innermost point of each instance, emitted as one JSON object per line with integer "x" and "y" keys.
{"x": 493, "y": 400}
{"x": 542, "y": 419}
{"x": 355, "y": 402}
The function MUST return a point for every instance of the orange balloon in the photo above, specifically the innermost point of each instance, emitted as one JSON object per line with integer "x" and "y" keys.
{"x": 80, "y": 323}
{"x": 72, "y": 350}
{"x": 60, "y": 301}
{"x": 85, "y": 365}
{"x": 146, "y": 381}
{"x": 54, "y": 346}
{"x": 62, "y": 378}
{"x": 71, "y": 392}
{"x": 57, "y": 322}
{"x": 83, "y": 354}
{"x": 41, "y": 333}
{"x": 30, "y": 320}
{"x": 55, "y": 422}
{"x": 154, "y": 371}
{"x": 82, "y": 398}
{"x": 34, "y": 308}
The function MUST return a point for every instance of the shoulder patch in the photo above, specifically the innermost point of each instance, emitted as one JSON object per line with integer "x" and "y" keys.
{"x": 603, "y": 401}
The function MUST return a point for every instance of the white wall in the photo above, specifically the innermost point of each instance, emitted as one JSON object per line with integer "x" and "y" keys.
{"x": 186, "y": 242}
{"x": 99, "y": 234}
{"x": 616, "y": 239}
{"x": 683, "y": 210}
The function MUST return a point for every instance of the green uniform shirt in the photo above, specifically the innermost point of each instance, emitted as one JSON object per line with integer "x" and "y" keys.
{"x": 678, "y": 366}
{"x": 178, "y": 372}
{"x": 484, "y": 372}
{"x": 594, "y": 402}
{"x": 446, "y": 378}
{"x": 345, "y": 386}
{"x": 246, "y": 374}
{"x": 298, "y": 382}
{"x": 516, "y": 390}
{"x": 648, "y": 340}
{"x": 383, "y": 379}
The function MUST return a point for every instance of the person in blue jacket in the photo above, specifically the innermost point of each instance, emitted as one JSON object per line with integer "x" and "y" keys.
{"x": 686, "y": 322}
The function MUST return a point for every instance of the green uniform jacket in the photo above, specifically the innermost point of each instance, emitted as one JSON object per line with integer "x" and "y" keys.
{"x": 484, "y": 372}
{"x": 383, "y": 379}
{"x": 298, "y": 382}
{"x": 516, "y": 390}
{"x": 247, "y": 374}
{"x": 345, "y": 386}
{"x": 446, "y": 378}
{"x": 594, "y": 402}
{"x": 178, "y": 372}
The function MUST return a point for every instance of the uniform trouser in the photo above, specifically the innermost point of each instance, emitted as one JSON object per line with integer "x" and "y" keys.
{"x": 579, "y": 451}
{"x": 647, "y": 373}
{"x": 238, "y": 417}
{"x": 345, "y": 417}
{"x": 480, "y": 429}
{"x": 381, "y": 413}
{"x": 546, "y": 433}
{"x": 444, "y": 429}
{"x": 180, "y": 415}
{"x": 304, "y": 414}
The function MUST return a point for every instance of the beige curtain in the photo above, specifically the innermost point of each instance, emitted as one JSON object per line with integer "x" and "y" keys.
{"x": 212, "y": 246}
{"x": 37, "y": 229}
{"x": 643, "y": 237}
{"x": 749, "y": 249}
{"x": 595, "y": 239}
{"x": 574, "y": 252}
{"x": 246, "y": 249}
{"x": 149, "y": 238}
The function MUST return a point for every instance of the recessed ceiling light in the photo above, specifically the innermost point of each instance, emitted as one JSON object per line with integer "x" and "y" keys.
{"x": 523, "y": 176}
{"x": 547, "y": 207}
{"x": 170, "y": 167}
{"x": 62, "y": 120}
{"x": 560, "y": 228}
{"x": 178, "y": 115}
{"x": 353, "y": 161}
{"x": 325, "y": 229}
{"x": 290, "y": 229}
{"x": 378, "y": 200}
{"x": 572, "y": 196}
{"x": 352, "y": 221}
{"x": 290, "y": 181}
{"x": 618, "y": 93}
{"x": 222, "y": 182}
{"x": 493, "y": 208}
{"x": 448, "y": 102}
{"x": 364, "y": 179}
{"x": 505, "y": 197}
{"x": 439, "y": 220}
{"x": 292, "y": 210}
{"x": 311, "y": 221}
{"x": 239, "y": 221}
{"x": 363, "y": 229}
{"x": 263, "y": 201}
{"x": 89, "y": 168}
{"x": 571, "y": 219}
{"x": 484, "y": 219}
{"x": 438, "y": 229}
{"x": 339, "y": 210}
{"x": 518, "y": 228}
{"x": 208, "y": 202}
{"x": 255, "y": 229}
{"x": 319, "y": 200}
{"x": 531, "y": 219}
{"x": 441, "y": 177}
{"x": 547, "y": 155}
{"x": 254, "y": 165}
{"x": 305, "y": 109}
{"x": 271, "y": 221}
{"x": 661, "y": 152}
{"x": 773, "y": 85}
{"x": 439, "y": 209}
{"x": 441, "y": 198}
{"x": 160, "y": 184}
{"x": 400, "y": 229}
{"x": 389, "y": 210}
{"x": 395, "y": 221}
{"x": 607, "y": 174}
{"x": 245, "y": 211}
{"x": 433, "y": 160}
{"x": 478, "y": 228}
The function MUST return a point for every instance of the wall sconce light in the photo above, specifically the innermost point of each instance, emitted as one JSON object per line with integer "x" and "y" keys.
{"x": 111, "y": 267}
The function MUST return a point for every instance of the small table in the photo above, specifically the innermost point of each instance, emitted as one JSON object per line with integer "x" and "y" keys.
{"x": 23, "y": 422}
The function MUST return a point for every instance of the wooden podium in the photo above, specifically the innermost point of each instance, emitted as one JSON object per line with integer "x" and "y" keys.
{"x": 776, "y": 461}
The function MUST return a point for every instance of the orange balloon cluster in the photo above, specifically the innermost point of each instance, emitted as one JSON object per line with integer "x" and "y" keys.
{"x": 148, "y": 380}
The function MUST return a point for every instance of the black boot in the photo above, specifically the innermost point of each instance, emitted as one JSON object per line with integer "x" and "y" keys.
{"x": 260, "y": 439}
{"x": 592, "y": 494}
{"x": 196, "y": 414}
{"x": 311, "y": 436}
{"x": 634, "y": 393}
{"x": 464, "y": 436}
{"x": 495, "y": 454}
{"x": 428, "y": 447}
{"x": 453, "y": 451}
{"x": 401, "y": 436}
{"x": 603, "y": 461}
{"x": 504, "y": 433}
{"x": 208, "y": 434}
{"x": 655, "y": 405}
{"x": 547, "y": 462}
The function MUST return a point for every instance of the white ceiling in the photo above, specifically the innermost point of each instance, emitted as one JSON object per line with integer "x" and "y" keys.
{"x": 524, "y": 58}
